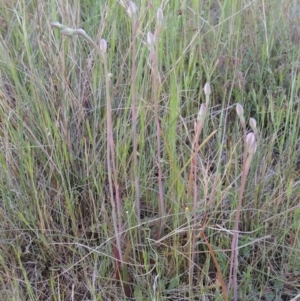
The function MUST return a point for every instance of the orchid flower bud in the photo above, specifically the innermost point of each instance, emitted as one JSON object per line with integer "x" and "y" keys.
{"x": 81, "y": 32}
{"x": 57, "y": 25}
{"x": 103, "y": 46}
{"x": 253, "y": 126}
{"x": 132, "y": 9}
{"x": 252, "y": 123}
{"x": 68, "y": 31}
{"x": 160, "y": 16}
{"x": 240, "y": 112}
{"x": 150, "y": 39}
{"x": 251, "y": 143}
{"x": 202, "y": 113}
{"x": 207, "y": 89}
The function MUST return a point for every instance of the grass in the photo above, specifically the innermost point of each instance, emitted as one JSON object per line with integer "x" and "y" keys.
{"x": 110, "y": 190}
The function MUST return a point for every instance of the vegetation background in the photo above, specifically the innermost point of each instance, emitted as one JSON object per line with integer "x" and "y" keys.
{"x": 56, "y": 215}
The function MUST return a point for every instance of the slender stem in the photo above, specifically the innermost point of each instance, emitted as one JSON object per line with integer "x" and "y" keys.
{"x": 134, "y": 125}
{"x": 111, "y": 165}
{"x": 156, "y": 80}
{"x": 234, "y": 244}
{"x": 111, "y": 161}
{"x": 158, "y": 140}
{"x": 158, "y": 129}
{"x": 193, "y": 182}
{"x": 112, "y": 173}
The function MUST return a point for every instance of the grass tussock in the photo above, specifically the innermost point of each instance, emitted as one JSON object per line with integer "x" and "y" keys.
{"x": 129, "y": 165}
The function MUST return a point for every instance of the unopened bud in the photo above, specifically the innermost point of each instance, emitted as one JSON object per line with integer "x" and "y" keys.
{"x": 57, "y": 25}
{"x": 239, "y": 110}
{"x": 251, "y": 143}
{"x": 202, "y": 112}
{"x": 253, "y": 123}
{"x": 150, "y": 39}
{"x": 253, "y": 126}
{"x": 103, "y": 46}
{"x": 207, "y": 89}
{"x": 132, "y": 9}
{"x": 81, "y": 32}
{"x": 252, "y": 148}
{"x": 160, "y": 16}
{"x": 69, "y": 31}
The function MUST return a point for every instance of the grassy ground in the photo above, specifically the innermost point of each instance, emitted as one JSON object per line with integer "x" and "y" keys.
{"x": 75, "y": 199}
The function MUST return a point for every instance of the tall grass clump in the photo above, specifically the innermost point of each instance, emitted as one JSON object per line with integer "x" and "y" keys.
{"x": 149, "y": 150}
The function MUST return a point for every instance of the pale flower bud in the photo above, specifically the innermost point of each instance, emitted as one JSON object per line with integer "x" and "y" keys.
{"x": 103, "y": 46}
{"x": 239, "y": 110}
{"x": 253, "y": 123}
{"x": 207, "y": 89}
{"x": 252, "y": 148}
{"x": 57, "y": 25}
{"x": 253, "y": 126}
{"x": 69, "y": 31}
{"x": 251, "y": 143}
{"x": 250, "y": 138}
{"x": 80, "y": 31}
{"x": 160, "y": 16}
{"x": 202, "y": 113}
{"x": 132, "y": 9}
{"x": 150, "y": 39}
